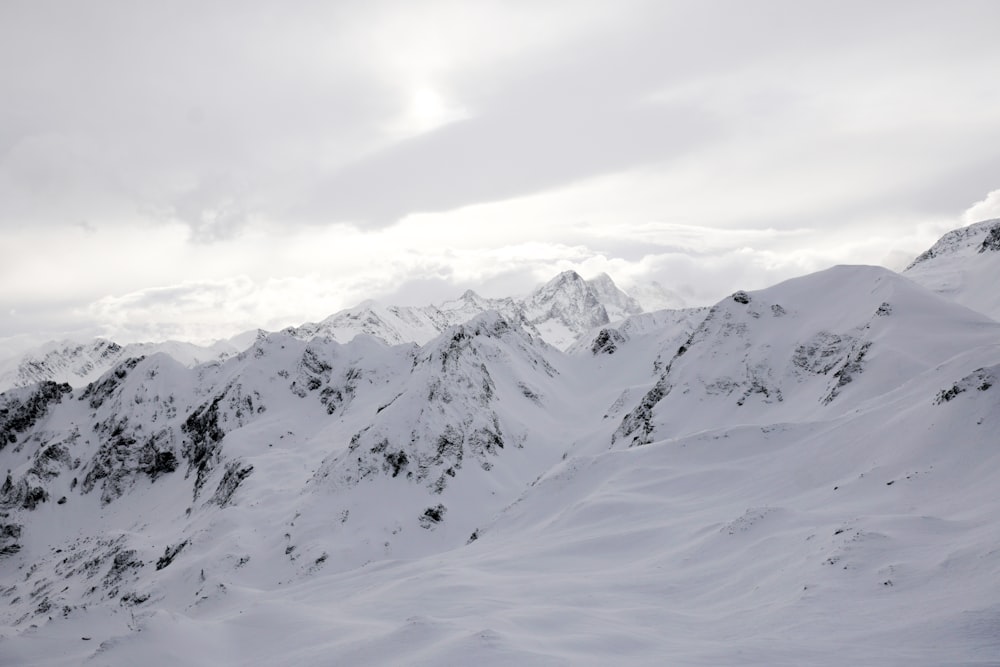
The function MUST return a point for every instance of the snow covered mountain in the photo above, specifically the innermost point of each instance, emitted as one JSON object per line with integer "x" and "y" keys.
{"x": 81, "y": 363}
{"x": 803, "y": 474}
{"x": 653, "y": 296}
{"x": 568, "y": 306}
{"x": 565, "y": 309}
{"x": 963, "y": 267}
{"x": 781, "y": 354}
{"x": 560, "y": 311}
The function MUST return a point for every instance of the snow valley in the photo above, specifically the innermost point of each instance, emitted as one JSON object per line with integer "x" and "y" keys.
{"x": 804, "y": 474}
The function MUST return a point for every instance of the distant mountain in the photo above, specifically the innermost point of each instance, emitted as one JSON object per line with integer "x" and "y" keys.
{"x": 81, "y": 363}
{"x": 652, "y": 296}
{"x": 559, "y": 312}
{"x": 963, "y": 266}
{"x": 804, "y": 474}
{"x": 568, "y": 306}
{"x": 548, "y": 312}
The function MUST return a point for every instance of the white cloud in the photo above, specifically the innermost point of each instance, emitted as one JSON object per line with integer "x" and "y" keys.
{"x": 281, "y": 166}
{"x": 204, "y": 311}
{"x": 986, "y": 209}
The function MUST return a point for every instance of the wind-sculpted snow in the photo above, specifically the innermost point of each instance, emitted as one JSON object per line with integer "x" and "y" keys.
{"x": 816, "y": 485}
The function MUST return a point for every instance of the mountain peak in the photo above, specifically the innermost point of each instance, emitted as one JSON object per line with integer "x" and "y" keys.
{"x": 963, "y": 266}
{"x": 976, "y": 235}
{"x": 563, "y": 279}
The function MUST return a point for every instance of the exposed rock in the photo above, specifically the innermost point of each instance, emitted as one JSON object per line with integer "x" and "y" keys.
{"x": 99, "y": 392}
{"x": 235, "y": 473}
{"x": 10, "y": 533}
{"x": 155, "y": 462}
{"x": 822, "y": 353}
{"x": 27, "y": 492}
{"x": 980, "y": 379}
{"x": 124, "y": 562}
{"x": 169, "y": 554}
{"x": 639, "y": 422}
{"x": 992, "y": 241}
{"x": 432, "y": 516}
{"x": 21, "y": 409}
{"x": 122, "y": 456}
{"x": 607, "y": 341}
{"x": 205, "y": 433}
{"x": 852, "y": 366}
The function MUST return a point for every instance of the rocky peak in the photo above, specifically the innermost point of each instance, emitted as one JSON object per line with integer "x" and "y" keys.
{"x": 962, "y": 266}
{"x": 568, "y": 306}
{"x": 977, "y": 235}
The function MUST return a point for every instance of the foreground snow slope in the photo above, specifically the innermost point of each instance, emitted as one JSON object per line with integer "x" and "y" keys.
{"x": 799, "y": 475}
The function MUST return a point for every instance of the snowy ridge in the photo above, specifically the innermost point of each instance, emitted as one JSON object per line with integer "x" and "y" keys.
{"x": 568, "y": 306}
{"x": 663, "y": 325}
{"x": 803, "y": 474}
{"x": 550, "y": 307}
{"x": 963, "y": 267}
{"x": 81, "y": 363}
{"x": 782, "y": 354}
{"x": 981, "y": 236}
{"x": 561, "y": 311}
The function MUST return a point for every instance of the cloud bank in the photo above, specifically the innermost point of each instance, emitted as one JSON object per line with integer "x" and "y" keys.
{"x": 192, "y": 169}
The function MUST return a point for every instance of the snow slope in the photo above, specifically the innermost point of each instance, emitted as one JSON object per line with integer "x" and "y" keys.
{"x": 963, "y": 267}
{"x": 803, "y": 474}
{"x": 798, "y": 350}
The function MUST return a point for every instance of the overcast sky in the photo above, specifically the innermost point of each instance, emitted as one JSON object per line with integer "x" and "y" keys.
{"x": 196, "y": 169}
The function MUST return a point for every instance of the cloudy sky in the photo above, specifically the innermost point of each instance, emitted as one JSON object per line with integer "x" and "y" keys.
{"x": 195, "y": 169}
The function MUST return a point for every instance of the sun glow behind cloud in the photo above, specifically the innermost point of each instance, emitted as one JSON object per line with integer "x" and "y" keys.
{"x": 283, "y": 165}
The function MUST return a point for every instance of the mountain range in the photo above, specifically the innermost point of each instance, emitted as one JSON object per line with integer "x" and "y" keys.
{"x": 561, "y": 310}
{"x": 804, "y": 474}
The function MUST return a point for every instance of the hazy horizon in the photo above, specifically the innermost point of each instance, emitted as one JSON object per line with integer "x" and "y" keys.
{"x": 195, "y": 170}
